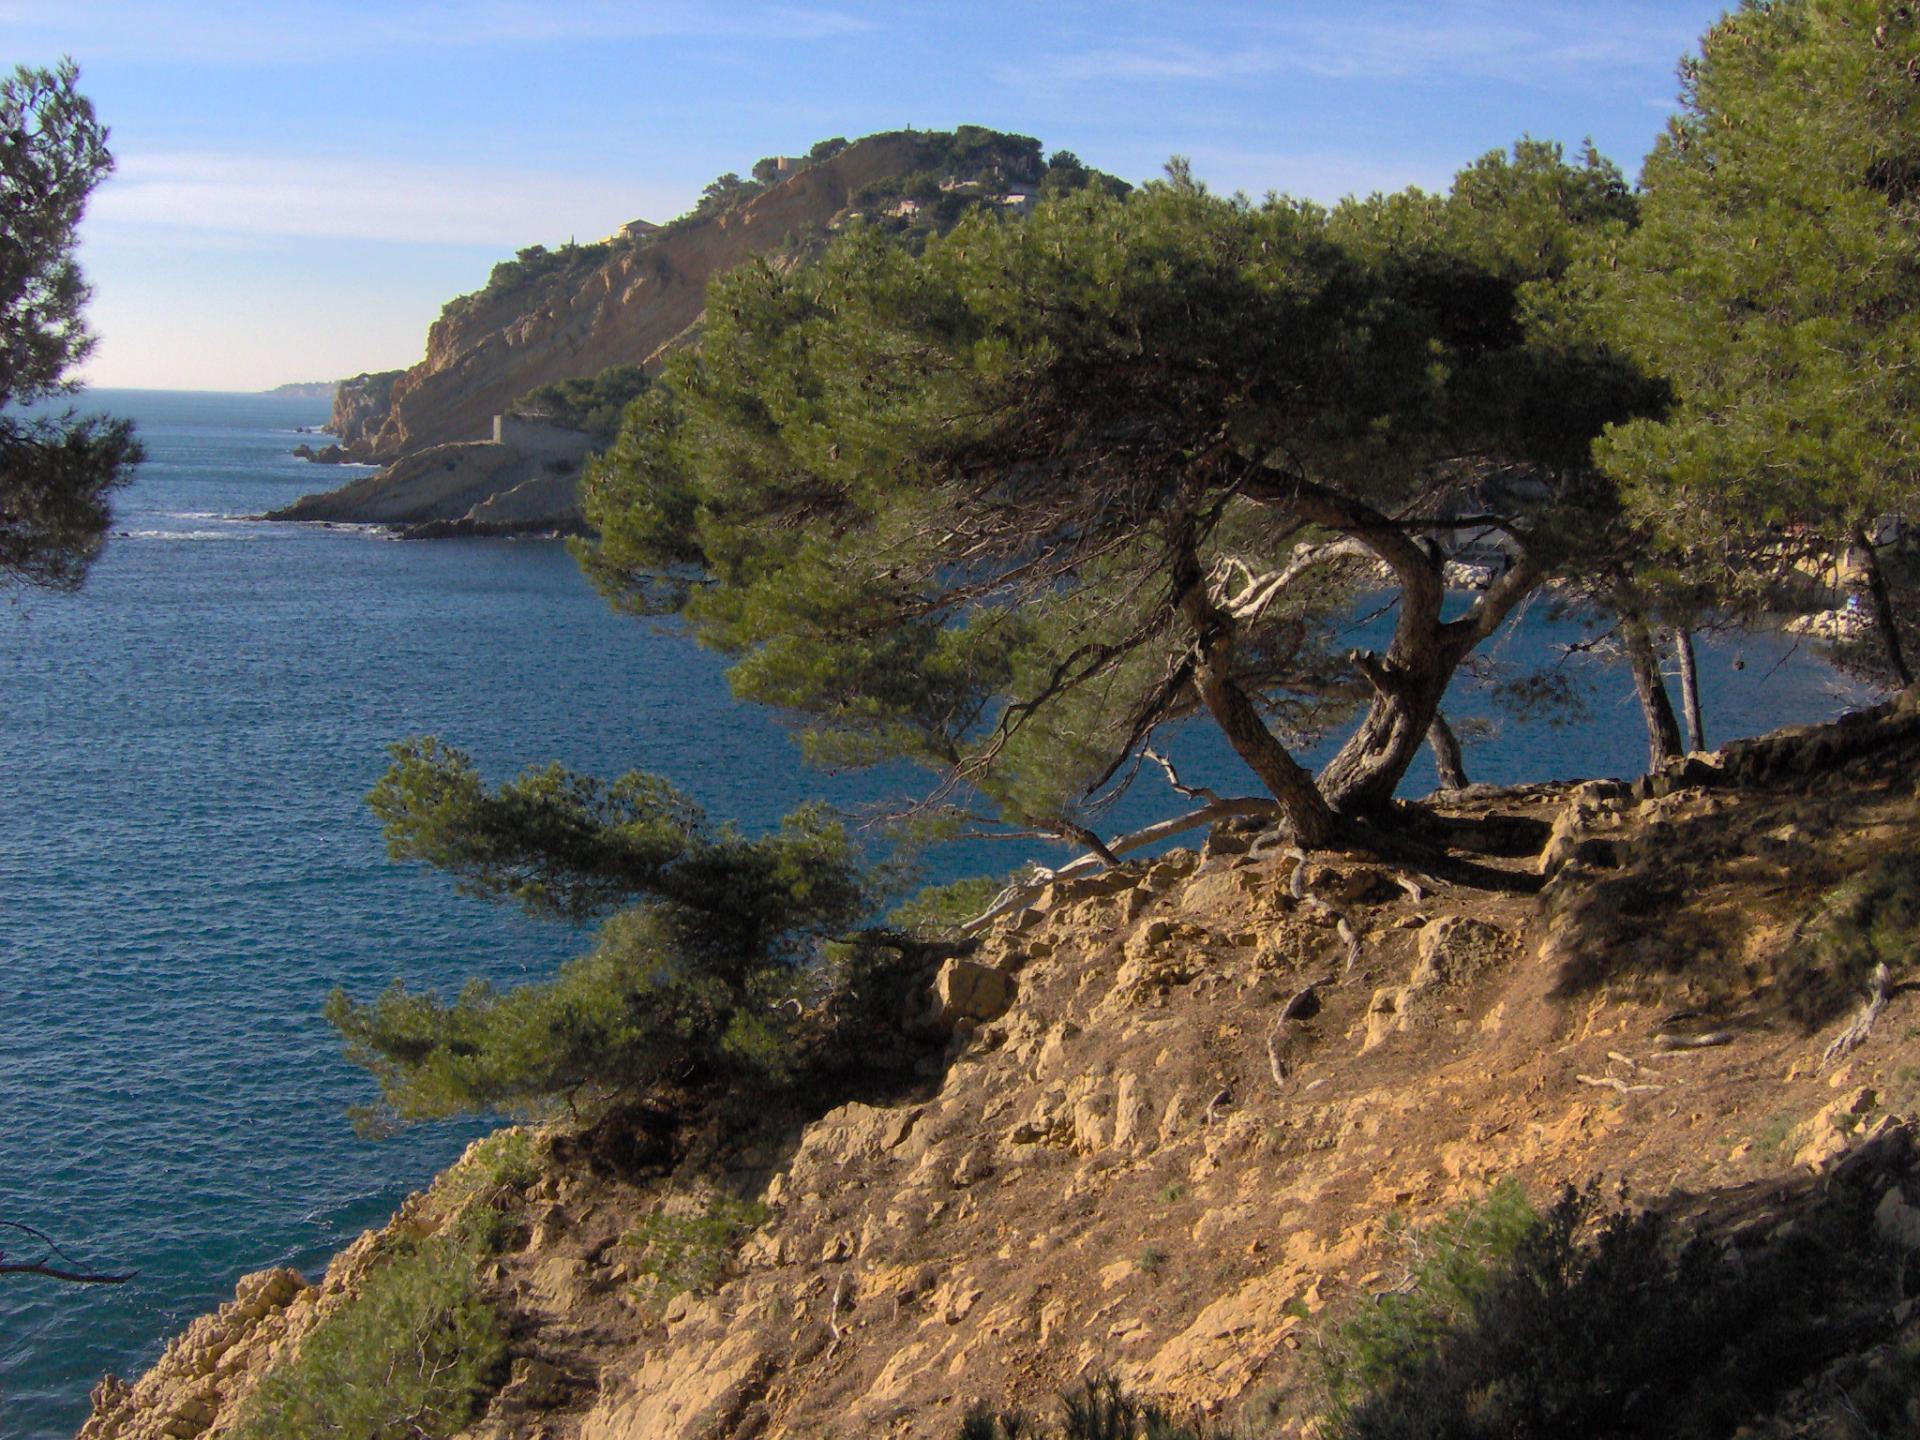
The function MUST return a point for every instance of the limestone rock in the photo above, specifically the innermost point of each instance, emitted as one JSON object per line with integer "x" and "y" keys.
{"x": 1830, "y": 1132}
{"x": 1457, "y": 949}
{"x": 1160, "y": 955}
{"x": 685, "y": 1392}
{"x": 1383, "y": 1015}
{"x": 967, "y": 990}
{"x": 851, "y": 1132}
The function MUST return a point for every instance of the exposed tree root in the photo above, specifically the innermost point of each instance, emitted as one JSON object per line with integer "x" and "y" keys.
{"x": 1861, "y": 1026}
{"x": 1693, "y": 1042}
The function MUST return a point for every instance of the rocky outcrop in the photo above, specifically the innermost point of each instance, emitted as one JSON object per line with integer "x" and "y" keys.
{"x": 360, "y": 407}
{"x": 487, "y": 352}
{"x": 1171, "y": 1108}
{"x": 628, "y": 310}
{"x": 525, "y": 483}
{"x": 201, "y": 1383}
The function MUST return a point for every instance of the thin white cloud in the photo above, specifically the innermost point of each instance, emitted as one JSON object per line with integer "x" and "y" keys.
{"x": 247, "y": 32}
{"x": 1543, "y": 44}
{"x": 240, "y": 195}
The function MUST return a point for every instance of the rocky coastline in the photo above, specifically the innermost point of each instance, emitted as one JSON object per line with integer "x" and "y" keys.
{"x": 1162, "y": 1123}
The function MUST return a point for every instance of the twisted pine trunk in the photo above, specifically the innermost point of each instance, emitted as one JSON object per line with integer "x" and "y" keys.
{"x": 1447, "y": 761}
{"x": 1303, "y": 811}
{"x": 1663, "y": 732}
{"x": 1883, "y": 617}
{"x": 1690, "y": 689}
{"x": 1410, "y": 680}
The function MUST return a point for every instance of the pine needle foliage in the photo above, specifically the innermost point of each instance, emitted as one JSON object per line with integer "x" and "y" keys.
{"x": 409, "y": 1357}
{"x": 57, "y": 472}
{"x": 688, "y": 1253}
{"x": 998, "y": 506}
{"x": 1774, "y": 282}
{"x": 709, "y": 938}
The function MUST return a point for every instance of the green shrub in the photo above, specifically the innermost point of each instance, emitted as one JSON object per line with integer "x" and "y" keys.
{"x": 1448, "y": 1265}
{"x": 485, "y": 1230}
{"x": 940, "y": 908}
{"x": 689, "y": 1253}
{"x": 408, "y": 1358}
{"x": 507, "y": 1159}
{"x": 1872, "y": 919}
{"x": 527, "y": 268}
{"x": 593, "y": 404}
{"x": 1100, "y": 1410}
{"x": 1565, "y": 1324}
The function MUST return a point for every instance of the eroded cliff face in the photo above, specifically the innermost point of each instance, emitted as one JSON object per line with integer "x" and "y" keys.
{"x": 628, "y": 310}
{"x": 360, "y": 406}
{"x": 1177, "y": 1104}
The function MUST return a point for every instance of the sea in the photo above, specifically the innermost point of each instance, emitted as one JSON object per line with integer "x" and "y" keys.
{"x": 187, "y": 867}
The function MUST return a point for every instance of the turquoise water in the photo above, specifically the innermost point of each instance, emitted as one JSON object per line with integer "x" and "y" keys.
{"x": 186, "y": 868}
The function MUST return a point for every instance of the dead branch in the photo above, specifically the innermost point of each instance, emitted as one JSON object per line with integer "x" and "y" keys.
{"x": 1609, "y": 1082}
{"x": 1303, "y": 1002}
{"x": 1861, "y": 1026}
{"x": 1276, "y": 1064}
{"x": 833, "y": 1313}
{"x": 1634, "y": 1067}
{"x": 55, "y": 1272}
{"x": 1225, "y": 1097}
{"x": 1258, "y": 592}
{"x": 1018, "y": 894}
{"x": 1693, "y": 1042}
{"x": 1192, "y": 792}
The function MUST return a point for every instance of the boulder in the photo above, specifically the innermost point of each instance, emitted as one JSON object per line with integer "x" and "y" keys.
{"x": 966, "y": 990}
{"x": 1455, "y": 950}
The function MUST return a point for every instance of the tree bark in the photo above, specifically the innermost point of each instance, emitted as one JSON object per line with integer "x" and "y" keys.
{"x": 1663, "y": 732}
{"x": 1690, "y": 689}
{"x": 1409, "y": 682}
{"x": 1446, "y": 754}
{"x": 1303, "y": 811}
{"x": 1410, "y": 679}
{"x": 1883, "y": 611}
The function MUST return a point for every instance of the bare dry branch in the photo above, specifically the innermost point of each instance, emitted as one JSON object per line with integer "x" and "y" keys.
{"x": 1861, "y": 1026}
{"x": 75, "y": 1276}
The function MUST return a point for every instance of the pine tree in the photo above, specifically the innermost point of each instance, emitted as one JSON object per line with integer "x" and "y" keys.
{"x": 55, "y": 472}
{"x": 1775, "y": 283}
{"x": 1012, "y": 506}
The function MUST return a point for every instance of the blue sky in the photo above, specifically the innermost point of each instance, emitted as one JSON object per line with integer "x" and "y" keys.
{"x": 302, "y": 185}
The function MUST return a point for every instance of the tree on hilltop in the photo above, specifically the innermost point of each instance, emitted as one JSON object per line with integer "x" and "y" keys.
{"x": 1013, "y": 506}
{"x": 1775, "y": 283}
{"x": 56, "y": 472}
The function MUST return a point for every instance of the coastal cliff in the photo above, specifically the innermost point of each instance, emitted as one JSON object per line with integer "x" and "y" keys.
{"x": 1175, "y": 1121}
{"x": 578, "y": 312}
{"x": 360, "y": 405}
{"x": 484, "y": 355}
